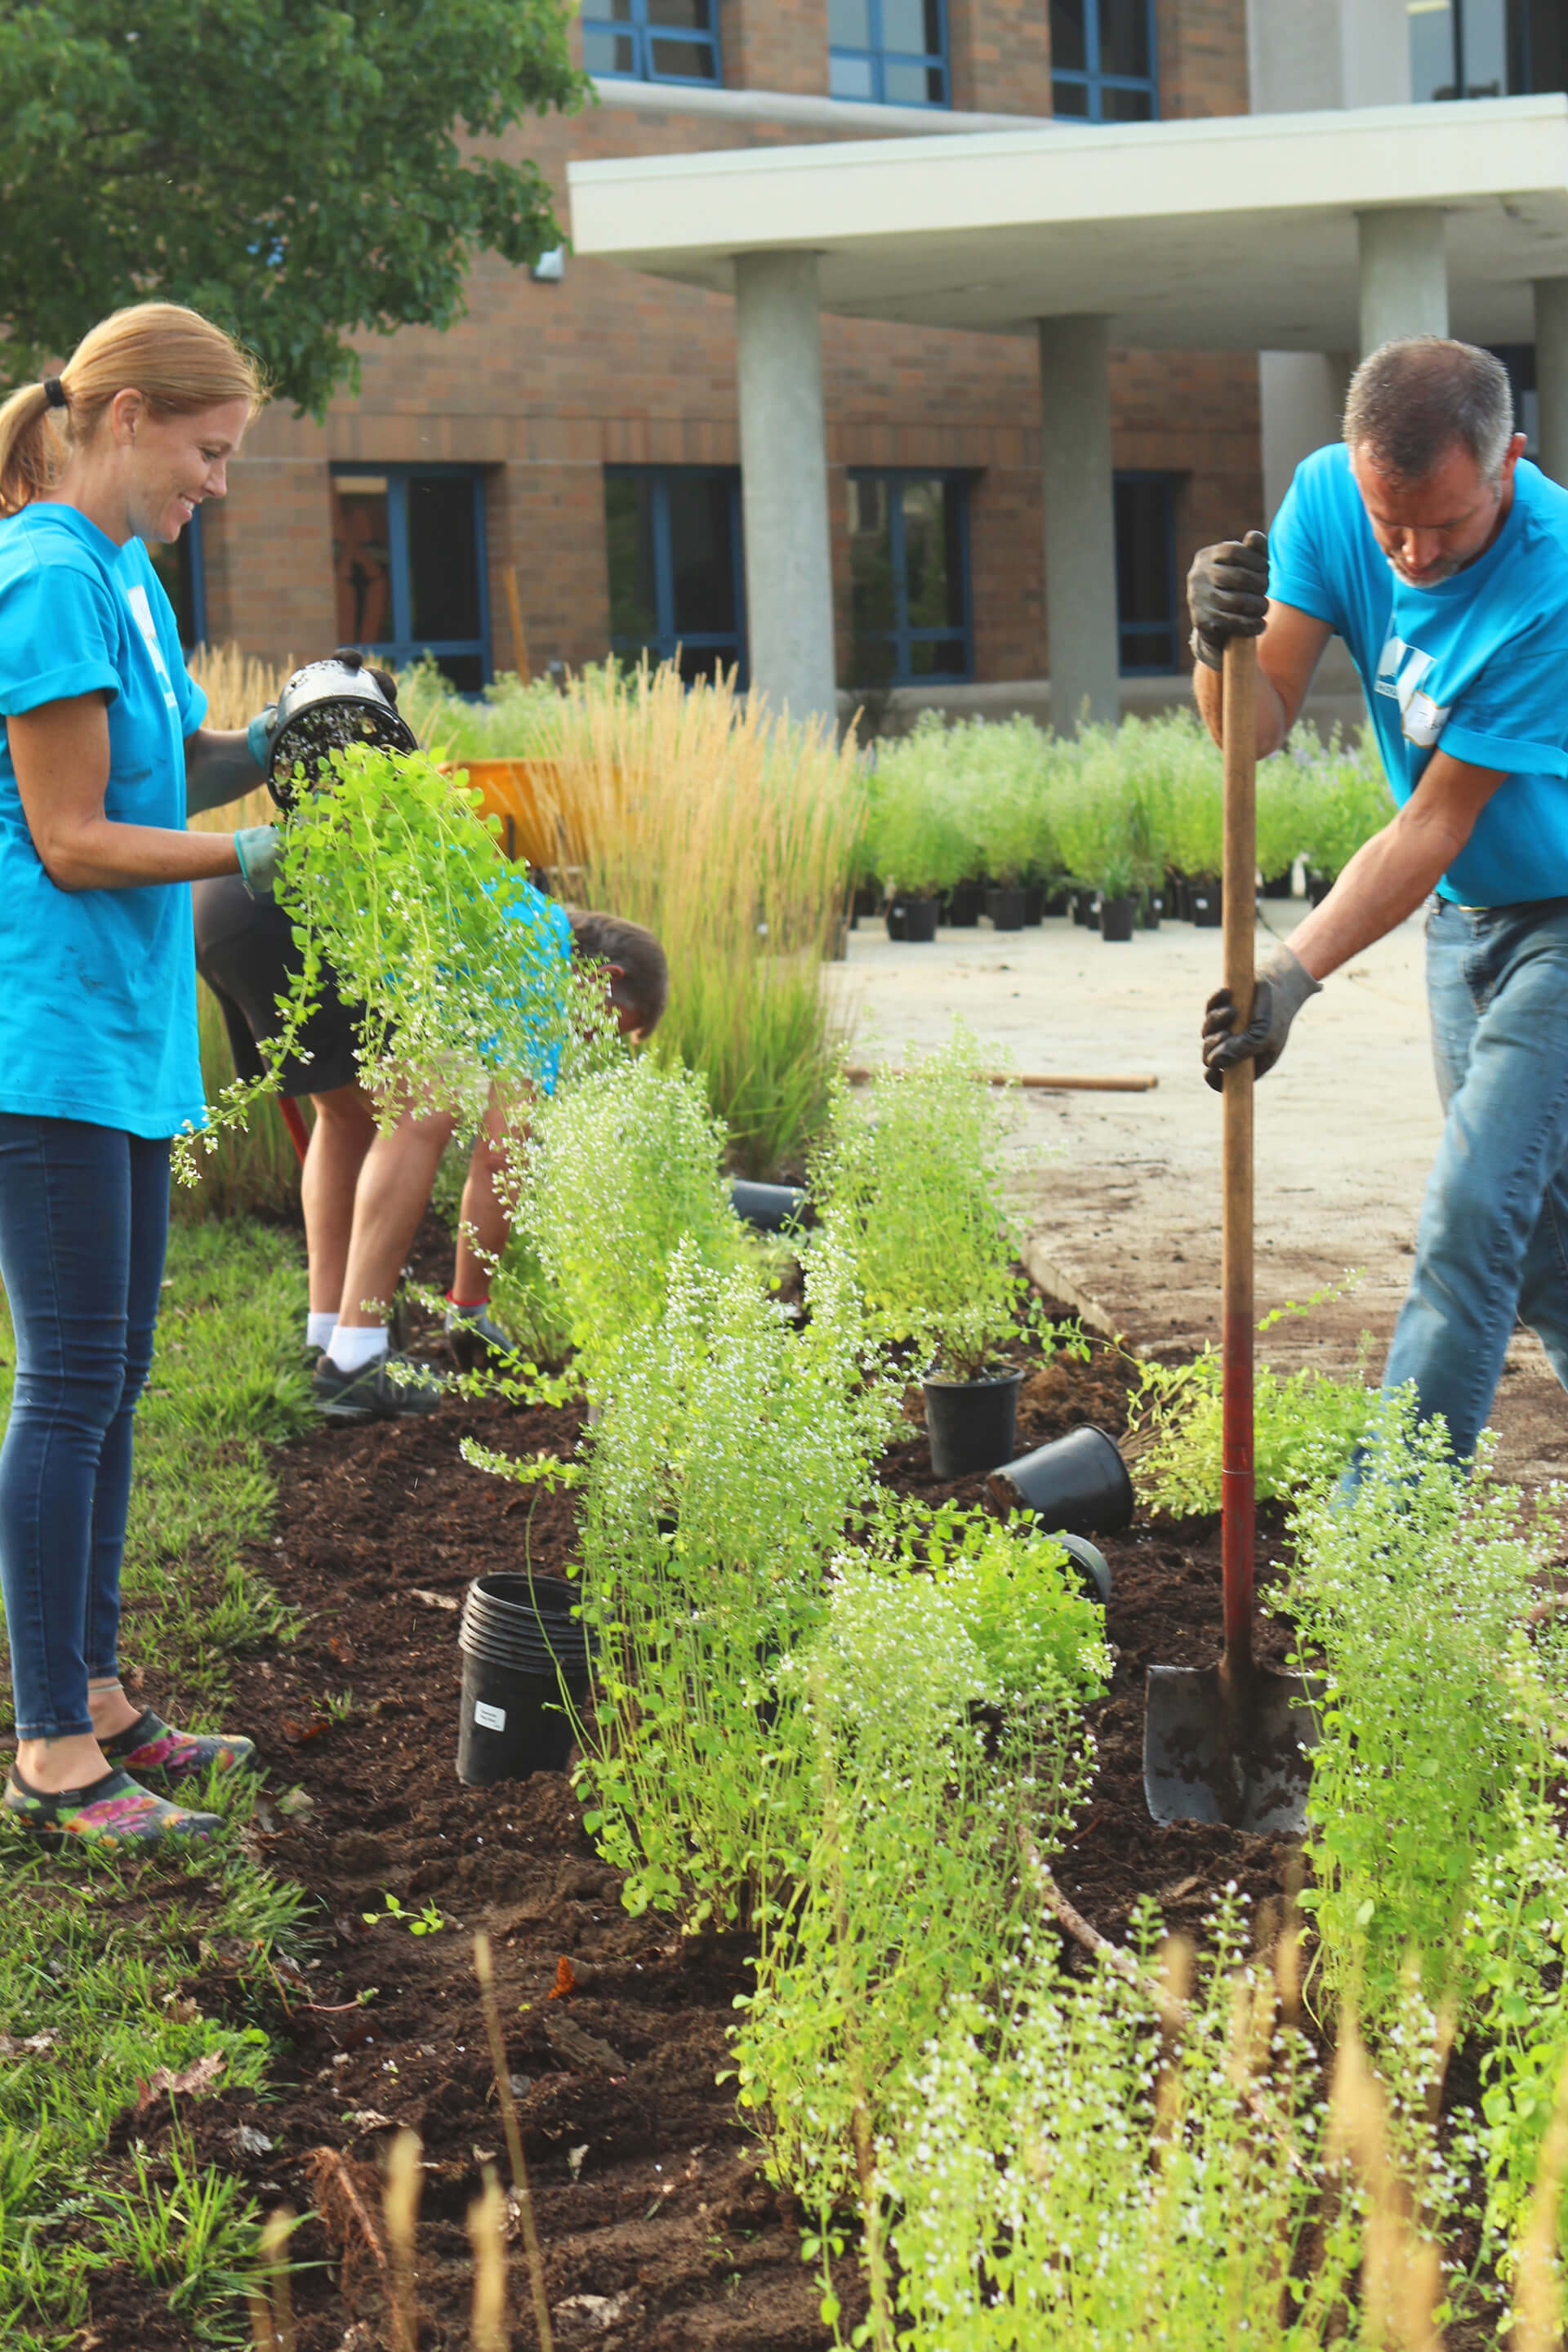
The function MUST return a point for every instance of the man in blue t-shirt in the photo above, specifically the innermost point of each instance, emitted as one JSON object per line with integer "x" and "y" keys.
{"x": 1441, "y": 558}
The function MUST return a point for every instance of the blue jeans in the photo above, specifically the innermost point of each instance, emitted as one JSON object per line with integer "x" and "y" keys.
{"x": 84, "y": 1219}
{"x": 1493, "y": 1240}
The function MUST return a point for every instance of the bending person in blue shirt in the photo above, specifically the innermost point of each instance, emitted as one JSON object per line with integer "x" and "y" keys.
{"x": 102, "y": 755}
{"x": 1441, "y": 557}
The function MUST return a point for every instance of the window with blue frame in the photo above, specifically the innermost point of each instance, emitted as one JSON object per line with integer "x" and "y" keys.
{"x": 1103, "y": 60}
{"x": 652, "y": 40}
{"x": 1147, "y": 616}
{"x": 409, "y": 566}
{"x": 909, "y": 570}
{"x": 1486, "y": 48}
{"x": 672, "y": 535}
{"x": 180, "y": 570}
{"x": 893, "y": 52}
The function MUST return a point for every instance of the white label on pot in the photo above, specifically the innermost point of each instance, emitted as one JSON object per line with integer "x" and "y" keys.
{"x": 489, "y": 1718}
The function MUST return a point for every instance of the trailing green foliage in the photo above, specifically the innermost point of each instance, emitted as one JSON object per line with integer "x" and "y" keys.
{"x": 254, "y": 1170}
{"x": 396, "y": 888}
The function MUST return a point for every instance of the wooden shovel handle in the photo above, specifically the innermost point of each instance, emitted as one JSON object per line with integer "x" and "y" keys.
{"x": 1239, "y": 1505}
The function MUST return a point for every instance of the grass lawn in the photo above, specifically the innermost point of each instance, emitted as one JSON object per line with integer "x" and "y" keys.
{"x": 110, "y": 1973}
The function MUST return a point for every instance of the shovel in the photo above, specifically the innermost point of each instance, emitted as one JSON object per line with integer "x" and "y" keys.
{"x": 1229, "y": 1742}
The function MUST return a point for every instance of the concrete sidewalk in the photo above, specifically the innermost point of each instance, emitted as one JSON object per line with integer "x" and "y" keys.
{"x": 1123, "y": 1191}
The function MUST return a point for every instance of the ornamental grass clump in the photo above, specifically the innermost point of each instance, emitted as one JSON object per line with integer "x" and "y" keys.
{"x": 912, "y": 1180}
{"x": 734, "y": 836}
{"x": 395, "y": 887}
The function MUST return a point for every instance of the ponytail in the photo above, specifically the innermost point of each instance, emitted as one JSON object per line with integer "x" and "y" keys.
{"x": 178, "y": 361}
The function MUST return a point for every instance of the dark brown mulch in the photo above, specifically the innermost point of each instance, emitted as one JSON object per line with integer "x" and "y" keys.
{"x": 648, "y": 2187}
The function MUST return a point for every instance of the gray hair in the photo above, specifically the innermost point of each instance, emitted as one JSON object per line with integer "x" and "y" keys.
{"x": 1411, "y": 401}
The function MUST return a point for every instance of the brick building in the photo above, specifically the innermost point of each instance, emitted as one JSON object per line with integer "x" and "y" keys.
{"x": 579, "y": 429}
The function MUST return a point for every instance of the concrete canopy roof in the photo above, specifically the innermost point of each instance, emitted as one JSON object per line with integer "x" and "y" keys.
{"x": 1235, "y": 232}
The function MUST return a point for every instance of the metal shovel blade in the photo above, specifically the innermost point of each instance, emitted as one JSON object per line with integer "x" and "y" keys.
{"x": 1215, "y": 1752}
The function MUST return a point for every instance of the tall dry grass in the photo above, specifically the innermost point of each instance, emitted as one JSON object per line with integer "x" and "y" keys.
{"x": 731, "y": 835}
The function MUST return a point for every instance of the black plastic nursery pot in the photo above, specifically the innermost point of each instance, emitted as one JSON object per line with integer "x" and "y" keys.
{"x": 1058, "y": 902}
{"x": 1004, "y": 905}
{"x": 966, "y": 905}
{"x": 1034, "y": 904}
{"x": 868, "y": 901}
{"x": 1151, "y": 906}
{"x": 972, "y": 1425}
{"x": 1280, "y": 885}
{"x": 912, "y": 919}
{"x": 1116, "y": 919}
{"x": 1077, "y": 1485}
{"x": 1317, "y": 887}
{"x": 1091, "y": 913}
{"x": 1208, "y": 912}
{"x": 1178, "y": 899}
{"x": 524, "y": 1656}
{"x": 770, "y": 1208}
{"x": 1077, "y": 906}
{"x": 1093, "y": 1568}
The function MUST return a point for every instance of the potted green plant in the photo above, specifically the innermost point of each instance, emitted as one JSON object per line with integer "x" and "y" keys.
{"x": 918, "y": 847}
{"x": 1096, "y": 815}
{"x": 1347, "y": 801}
{"x": 910, "y": 1181}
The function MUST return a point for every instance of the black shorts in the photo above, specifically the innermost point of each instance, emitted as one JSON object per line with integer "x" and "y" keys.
{"x": 247, "y": 955}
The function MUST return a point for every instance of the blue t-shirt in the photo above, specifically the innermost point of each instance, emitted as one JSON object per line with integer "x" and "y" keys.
{"x": 1478, "y": 664}
{"x": 98, "y": 1005}
{"x": 549, "y": 958}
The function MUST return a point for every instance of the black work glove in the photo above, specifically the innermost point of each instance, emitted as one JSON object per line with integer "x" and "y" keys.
{"x": 1282, "y": 986}
{"x": 1227, "y": 594}
{"x": 351, "y": 659}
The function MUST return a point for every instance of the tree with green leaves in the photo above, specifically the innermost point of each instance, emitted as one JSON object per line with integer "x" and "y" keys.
{"x": 296, "y": 171}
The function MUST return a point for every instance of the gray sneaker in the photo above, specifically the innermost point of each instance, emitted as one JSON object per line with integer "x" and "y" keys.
{"x": 389, "y": 1387}
{"x": 475, "y": 1340}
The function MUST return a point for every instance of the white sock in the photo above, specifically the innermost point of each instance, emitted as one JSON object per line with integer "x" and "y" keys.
{"x": 352, "y": 1349}
{"x": 320, "y": 1325}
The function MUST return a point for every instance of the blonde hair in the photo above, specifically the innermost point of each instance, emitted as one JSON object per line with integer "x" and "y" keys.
{"x": 178, "y": 361}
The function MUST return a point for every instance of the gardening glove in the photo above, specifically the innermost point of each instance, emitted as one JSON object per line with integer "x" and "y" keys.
{"x": 1227, "y": 594}
{"x": 260, "y": 848}
{"x": 259, "y": 733}
{"x": 1282, "y": 986}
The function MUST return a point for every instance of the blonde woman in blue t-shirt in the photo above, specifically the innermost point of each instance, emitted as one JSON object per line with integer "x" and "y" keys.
{"x": 102, "y": 755}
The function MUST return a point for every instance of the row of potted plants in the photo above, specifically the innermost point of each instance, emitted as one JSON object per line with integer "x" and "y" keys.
{"x": 1116, "y": 811}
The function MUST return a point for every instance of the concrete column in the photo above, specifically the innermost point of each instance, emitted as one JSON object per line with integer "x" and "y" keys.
{"x": 1404, "y": 275}
{"x": 1551, "y": 376}
{"x": 784, "y": 483}
{"x": 1080, "y": 521}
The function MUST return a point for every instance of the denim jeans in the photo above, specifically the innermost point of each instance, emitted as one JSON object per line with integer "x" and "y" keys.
{"x": 84, "y": 1220}
{"x": 1493, "y": 1239}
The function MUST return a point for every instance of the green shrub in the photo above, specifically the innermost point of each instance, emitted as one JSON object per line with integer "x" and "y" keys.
{"x": 1412, "y": 1592}
{"x": 1348, "y": 802}
{"x": 919, "y": 840}
{"x": 1300, "y": 1420}
{"x": 1096, "y": 817}
{"x": 620, "y": 1169}
{"x": 911, "y": 1182}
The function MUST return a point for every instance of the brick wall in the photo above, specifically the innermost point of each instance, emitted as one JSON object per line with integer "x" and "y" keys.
{"x": 1202, "y": 56}
{"x": 544, "y": 384}
{"x": 1000, "y": 52}
{"x": 766, "y": 47}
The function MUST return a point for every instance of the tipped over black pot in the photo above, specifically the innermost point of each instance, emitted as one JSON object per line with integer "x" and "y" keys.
{"x": 1077, "y": 1482}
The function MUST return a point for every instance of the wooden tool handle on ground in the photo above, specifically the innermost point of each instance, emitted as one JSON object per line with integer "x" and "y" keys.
{"x": 1237, "y": 1483}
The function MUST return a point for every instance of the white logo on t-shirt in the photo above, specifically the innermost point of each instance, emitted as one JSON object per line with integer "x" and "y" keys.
{"x": 1400, "y": 670}
{"x": 137, "y": 598}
